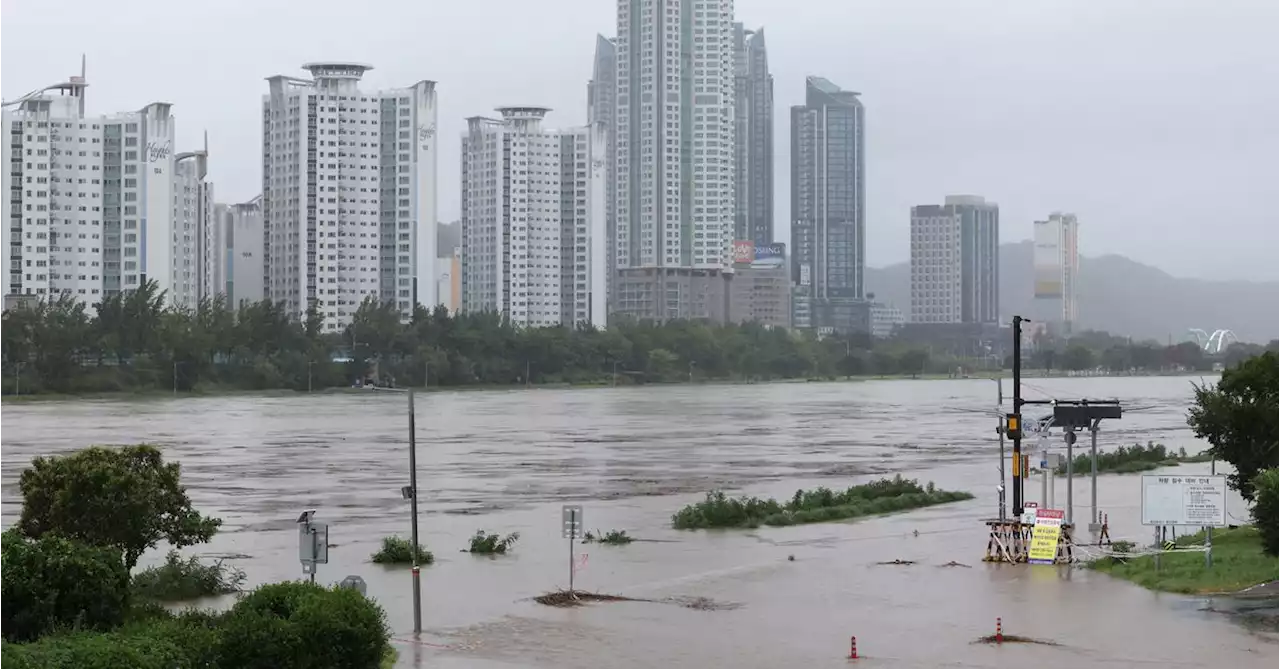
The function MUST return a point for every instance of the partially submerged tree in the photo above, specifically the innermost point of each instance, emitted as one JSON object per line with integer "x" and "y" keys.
{"x": 127, "y": 498}
{"x": 1238, "y": 417}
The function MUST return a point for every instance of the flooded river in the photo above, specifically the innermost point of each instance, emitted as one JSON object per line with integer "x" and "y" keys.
{"x": 506, "y": 461}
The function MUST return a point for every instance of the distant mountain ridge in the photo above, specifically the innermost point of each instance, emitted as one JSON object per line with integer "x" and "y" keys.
{"x": 1123, "y": 297}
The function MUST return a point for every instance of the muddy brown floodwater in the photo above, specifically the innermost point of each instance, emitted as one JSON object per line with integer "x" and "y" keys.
{"x": 506, "y": 461}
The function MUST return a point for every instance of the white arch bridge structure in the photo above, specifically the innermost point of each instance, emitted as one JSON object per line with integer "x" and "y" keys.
{"x": 1213, "y": 343}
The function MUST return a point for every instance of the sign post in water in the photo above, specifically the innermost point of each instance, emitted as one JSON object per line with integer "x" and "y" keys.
{"x": 571, "y": 524}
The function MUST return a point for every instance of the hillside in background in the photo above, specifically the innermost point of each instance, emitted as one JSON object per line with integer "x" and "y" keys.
{"x": 1123, "y": 297}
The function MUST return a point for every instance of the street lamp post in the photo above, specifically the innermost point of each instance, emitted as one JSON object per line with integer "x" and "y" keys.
{"x": 309, "y": 364}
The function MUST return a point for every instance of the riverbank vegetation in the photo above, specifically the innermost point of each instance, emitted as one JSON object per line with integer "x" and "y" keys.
{"x": 483, "y": 543}
{"x": 1135, "y": 458}
{"x": 1237, "y": 564}
{"x": 69, "y": 600}
{"x": 133, "y": 343}
{"x": 180, "y": 580}
{"x": 719, "y": 510}
{"x": 398, "y": 550}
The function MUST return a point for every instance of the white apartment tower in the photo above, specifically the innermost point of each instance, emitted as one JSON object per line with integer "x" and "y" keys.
{"x": 675, "y": 175}
{"x": 88, "y": 200}
{"x": 533, "y": 220}
{"x": 348, "y": 193}
{"x": 237, "y": 268}
{"x": 194, "y": 231}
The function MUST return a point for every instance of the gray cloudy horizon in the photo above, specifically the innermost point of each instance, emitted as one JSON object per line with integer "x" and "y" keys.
{"x": 1154, "y": 121}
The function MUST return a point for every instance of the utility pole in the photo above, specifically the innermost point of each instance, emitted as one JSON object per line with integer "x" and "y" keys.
{"x": 1016, "y": 416}
{"x": 615, "y": 373}
{"x": 1095, "y": 521}
{"x": 413, "y": 511}
{"x": 175, "y": 378}
{"x": 309, "y": 364}
{"x": 527, "y": 381}
{"x": 1000, "y": 432}
{"x": 426, "y": 375}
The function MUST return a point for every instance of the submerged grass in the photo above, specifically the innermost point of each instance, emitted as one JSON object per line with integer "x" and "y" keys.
{"x": 611, "y": 538}
{"x": 398, "y": 550}
{"x": 812, "y": 506}
{"x": 1135, "y": 458}
{"x": 178, "y": 579}
{"x": 1238, "y": 563}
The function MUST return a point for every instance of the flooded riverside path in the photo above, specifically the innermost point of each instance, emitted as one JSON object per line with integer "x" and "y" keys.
{"x": 506, "y": 461}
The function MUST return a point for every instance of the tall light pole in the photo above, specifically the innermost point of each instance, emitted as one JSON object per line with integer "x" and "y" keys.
{"x": 309, "y": 364}
{"x": 413, "y": 512}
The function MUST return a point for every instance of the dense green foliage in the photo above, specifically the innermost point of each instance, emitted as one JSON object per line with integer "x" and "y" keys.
{"x": 1238, "y": 417}
{"x": 1128, "y": 459}
{"x": 1237, "y": 564}
{"x": 133, "y": 343}
{"x": 178, "y": 579}
{"x": 398, "y": 550}
{"x": 127, "y": 498}
{"x": 1266, "y": 509}
{"x": 281, "y": 626}
{"x": 53, "y": 582}
{"x": 483, "y": 543}
{"x": 812, "y": 506}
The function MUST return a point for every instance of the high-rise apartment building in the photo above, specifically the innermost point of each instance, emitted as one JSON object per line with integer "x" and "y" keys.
{"x": 828, "y": 209}
{"x": 348, "y": 193}
{"x": 675, "y": 158}
{"x": 1056, "y": 261}
{"x": 195, "y": 234}
{"x": 89, "y": 200}
{"x": 533, "y": 220}
{"x": 955, "y": 262}
{"x": 602, "y": 108}
{"x": 753, "y": 139}
{"x": 236, "y": 267}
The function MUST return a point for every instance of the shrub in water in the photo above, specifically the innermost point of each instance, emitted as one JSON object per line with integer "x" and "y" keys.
{"x": 179, "y": 579}
{"x": 812, "y": 506}
{"x": 397, "y": 550}
{"x": 612, "y": 538}
{"x": 492, "y": 544}
{"x": 53, "y": 582}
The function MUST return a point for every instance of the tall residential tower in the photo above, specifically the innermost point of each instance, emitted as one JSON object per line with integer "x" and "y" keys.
{"x": 533, "y": 216}
{"x": 955, "y": 262}
{"x": 753, "y": 140}
{"x": 602, "y": 108}
{"x": 828, "y": 209}
{"x": 675, "y": 158}
{"x": 1056, "y": 261}
{"x": 348, "y": 193}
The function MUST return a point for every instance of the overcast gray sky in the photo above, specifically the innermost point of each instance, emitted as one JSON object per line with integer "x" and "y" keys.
{"x": 1155, "y": 121}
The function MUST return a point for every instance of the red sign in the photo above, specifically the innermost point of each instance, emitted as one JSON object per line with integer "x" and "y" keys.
{"x": 1050, "y": 513}
{"x": 744, "y": 251}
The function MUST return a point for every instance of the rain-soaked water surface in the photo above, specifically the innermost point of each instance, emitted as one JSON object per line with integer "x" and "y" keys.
{"x": 507, "y": 461}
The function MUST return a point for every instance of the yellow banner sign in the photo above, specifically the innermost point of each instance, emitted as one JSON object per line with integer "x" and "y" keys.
{"x": 1044, "y": 537}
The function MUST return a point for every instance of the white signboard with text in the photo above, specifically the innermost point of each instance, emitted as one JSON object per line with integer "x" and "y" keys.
{"x": 1197, "y": 501}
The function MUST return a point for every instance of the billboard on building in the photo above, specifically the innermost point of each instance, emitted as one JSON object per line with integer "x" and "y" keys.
{"x": 771, "y": 255}
{"x": 1047, "y": 259}
{"x": 744, "y": 251}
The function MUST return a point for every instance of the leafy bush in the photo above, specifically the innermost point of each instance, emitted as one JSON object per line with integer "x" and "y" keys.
{"x": 397, "y": 550}
{"x": 54, "y": 582}
{"x": 90, "y": 650}
{"x": 302, "y": 625}
{"x": 1266, "y": 509}
{"x": 179, "y": 579}
{"x": 812, "y": 506}
{"x": 1127, "y": 459}
{"x": 484, "y": 543}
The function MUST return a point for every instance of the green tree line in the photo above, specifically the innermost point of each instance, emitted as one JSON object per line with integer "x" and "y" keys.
{"x": 133, "y": 342}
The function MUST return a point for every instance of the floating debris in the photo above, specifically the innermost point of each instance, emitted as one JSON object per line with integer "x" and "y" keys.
{"x": 569, "y": 598}
{"x": 702, "y": 603}
{"x": 897, "y": 562}
{"x": 1014, "y": 638}
{"x": 953, "y": 563}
